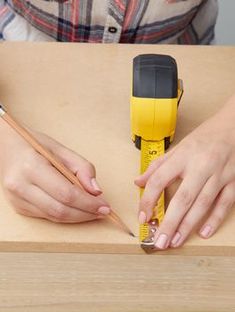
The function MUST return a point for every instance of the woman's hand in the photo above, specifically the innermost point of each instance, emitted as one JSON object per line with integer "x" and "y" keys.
{"x": 205, "y": 161}
{"x": 36, "y": 189}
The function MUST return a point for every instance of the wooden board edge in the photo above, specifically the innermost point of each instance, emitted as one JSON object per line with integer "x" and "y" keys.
{"x": 228, "y": 251}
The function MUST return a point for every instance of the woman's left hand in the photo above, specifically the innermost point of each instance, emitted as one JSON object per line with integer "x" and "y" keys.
{"x": 205, "y": 161}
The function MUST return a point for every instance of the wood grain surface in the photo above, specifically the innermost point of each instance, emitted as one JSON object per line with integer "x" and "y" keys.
{"x": 56, "y": 282}
{"x": 79, "y": 95}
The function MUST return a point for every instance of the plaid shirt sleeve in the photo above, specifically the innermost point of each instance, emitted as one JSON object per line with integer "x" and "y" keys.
{"x": 15, "y": 27}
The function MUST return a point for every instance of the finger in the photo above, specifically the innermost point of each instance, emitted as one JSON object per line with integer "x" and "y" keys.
{"x": 198, "y": 210}
{"x": 157, "y": 182}
{"x": 223, "y": 206}
{"x": 57, "y": 186}
{"x": 82, "y": 168}
{"x": 25, "y": 208}
{"x": 54, "y": 209}
{"x": 183, "y": 199}
{"x": 154, "y": 165}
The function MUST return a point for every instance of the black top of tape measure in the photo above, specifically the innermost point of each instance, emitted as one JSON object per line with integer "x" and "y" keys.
{"x": 155, "y": 76}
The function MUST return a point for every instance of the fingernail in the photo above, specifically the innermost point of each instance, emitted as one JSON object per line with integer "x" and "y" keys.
{"x": 142, "y": 217}
{"x": 95, "y": 185}
{"x": 175, "y": 239}
{"x": 161, "y": 242}
{"x": 104, "y": 210}
{"x": 206, "y": 231}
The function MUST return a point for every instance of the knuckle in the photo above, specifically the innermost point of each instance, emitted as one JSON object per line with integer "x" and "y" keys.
{"x": 156, "y": 183}
{"x": 30, "y": 163}
{"x": 60, "y": 212}
{"x": 154, "y": 163}
{"x": 11, "y": 184}
{"x": 147, "y": 203}
{"x": 213, "y": 156}
{"x": 185, "y": 198}
{"x": 206, "y": 161}
{"x": 169, "y": 226}
{"x": 228, "y": 198}
{"x": 67, "y": 196}
{"x": 91, "y": 166}
{"x": 204, "y": 165}
{"x": 223, "y": 208}
{"x": 27, "y": 166}
{"x": 204, "y": 200}
{"x": 88, "y": 166}
{"x": 218, "y": 218}
{"x": 226, "y": 202}
{"x": 19, "y": 210}
{"x": 186, "y": 227}
{"x": 55, "y": 220}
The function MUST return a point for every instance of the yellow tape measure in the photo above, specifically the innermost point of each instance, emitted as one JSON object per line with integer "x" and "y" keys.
{"x": 150, "y": 150}
{"x": 156, "y": 92}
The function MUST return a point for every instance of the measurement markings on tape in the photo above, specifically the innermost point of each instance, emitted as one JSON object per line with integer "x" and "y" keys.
{"x": 151, "y": 150}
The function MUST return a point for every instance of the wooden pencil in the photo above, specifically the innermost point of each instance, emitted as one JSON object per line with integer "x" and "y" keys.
{"x": 55, "y": 162}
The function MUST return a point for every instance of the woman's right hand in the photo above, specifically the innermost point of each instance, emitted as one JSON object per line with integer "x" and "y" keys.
{"x": 36, "y": 189}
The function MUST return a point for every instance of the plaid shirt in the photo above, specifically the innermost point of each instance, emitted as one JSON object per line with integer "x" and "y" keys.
{"x": 107, "y": 21}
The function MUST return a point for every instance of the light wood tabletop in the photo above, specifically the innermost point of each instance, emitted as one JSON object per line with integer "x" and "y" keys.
{"x": 79, "y": 94}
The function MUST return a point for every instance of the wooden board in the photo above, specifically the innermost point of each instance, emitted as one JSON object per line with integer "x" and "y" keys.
{"x": 56, "y": 282}
{"x": 79, "y": 94}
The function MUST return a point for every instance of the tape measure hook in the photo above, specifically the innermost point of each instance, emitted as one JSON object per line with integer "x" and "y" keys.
{"x": 148, "y": 245}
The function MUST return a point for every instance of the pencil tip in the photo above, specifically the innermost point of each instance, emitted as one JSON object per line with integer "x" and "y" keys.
{"x": 133, "y": 235}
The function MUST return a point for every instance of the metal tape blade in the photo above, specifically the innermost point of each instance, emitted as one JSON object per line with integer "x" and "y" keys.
{"x": 151, "y": 150}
